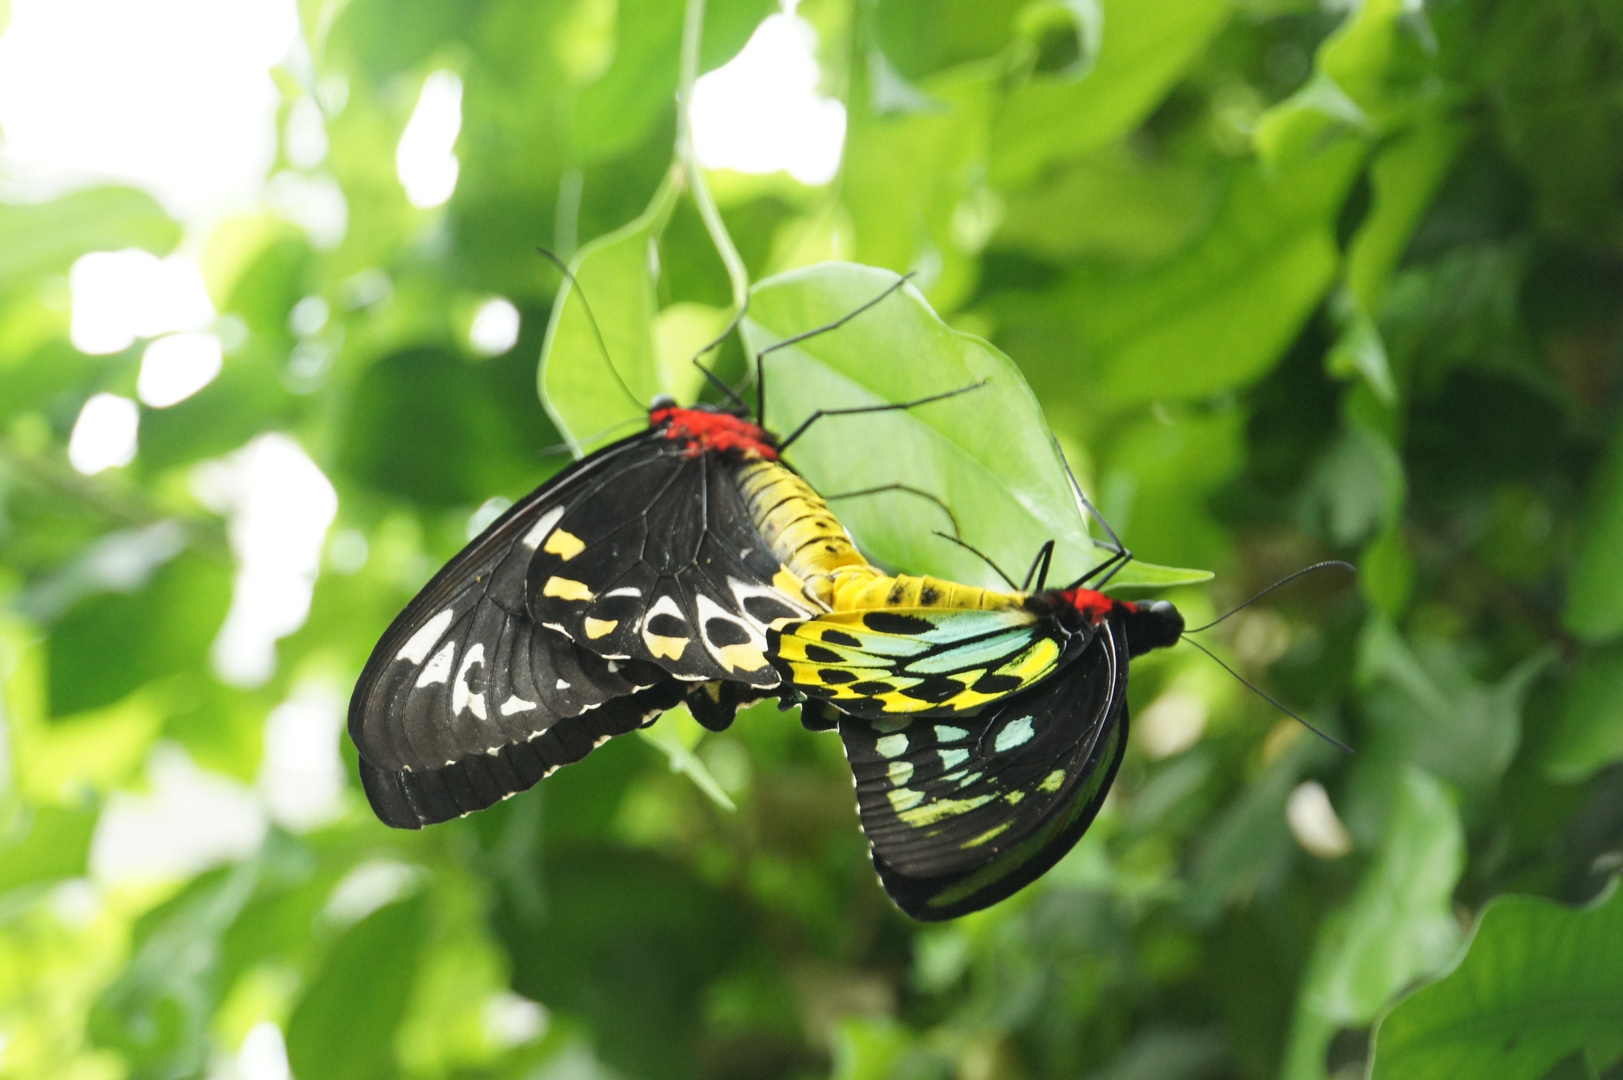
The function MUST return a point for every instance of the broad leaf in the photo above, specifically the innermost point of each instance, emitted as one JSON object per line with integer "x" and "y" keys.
{"x": 596, "y": 388}
{"x": 45, "y": 239}
{"x": 1397, "y": 926}
{"x": 1595, "y": 587}
{"x": 986, "y": 453}
{"x": 1538, "y": 982}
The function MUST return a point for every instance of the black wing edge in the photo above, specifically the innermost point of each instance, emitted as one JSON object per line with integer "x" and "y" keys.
{"x": 406, "y": 799}
{"x": 410, "y": 800}
{"x": 949, "y": 896}
{"x": 941, "y": 898}
{"x": 431, "y": 597}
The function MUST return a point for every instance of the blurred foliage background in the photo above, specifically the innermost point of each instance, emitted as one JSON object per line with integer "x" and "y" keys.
{"x": 1290, "y": 280}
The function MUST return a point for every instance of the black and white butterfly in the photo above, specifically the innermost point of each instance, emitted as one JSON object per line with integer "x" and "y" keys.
{"x": 641, "y": 576}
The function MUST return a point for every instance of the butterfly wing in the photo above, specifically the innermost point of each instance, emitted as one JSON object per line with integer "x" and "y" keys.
{"x": 925, "y": 661}
{"x": 963, "y": 812}
{"x": 662, "y": 562}
{"x": 464, "y": 670}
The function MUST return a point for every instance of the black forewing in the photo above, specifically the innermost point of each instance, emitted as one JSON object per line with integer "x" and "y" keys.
{"x": 961, "y": 814}
{"x": 662, "y": 562}
{"x": 464, "y": 671}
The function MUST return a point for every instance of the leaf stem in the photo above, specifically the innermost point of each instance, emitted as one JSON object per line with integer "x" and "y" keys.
{"x": 692, "y": 35}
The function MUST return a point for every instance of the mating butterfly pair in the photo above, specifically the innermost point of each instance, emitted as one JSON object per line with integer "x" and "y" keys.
{"x": 687, "y": 564}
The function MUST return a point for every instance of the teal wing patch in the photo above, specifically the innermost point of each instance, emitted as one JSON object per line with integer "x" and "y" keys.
{"x": 924, "y": 661}
{"x": 963, "y": 812}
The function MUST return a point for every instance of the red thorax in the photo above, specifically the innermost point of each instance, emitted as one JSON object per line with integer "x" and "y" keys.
{"x": 701, "y": 430}
{"x": 1094, "y": 606}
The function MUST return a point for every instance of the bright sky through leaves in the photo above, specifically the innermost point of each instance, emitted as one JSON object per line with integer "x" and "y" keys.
{"x": 761, "y": 112}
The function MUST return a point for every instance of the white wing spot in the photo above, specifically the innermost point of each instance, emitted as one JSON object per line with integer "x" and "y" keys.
{"x": 1016, "y": 734}
{"x": 461, "y": 696}
{"x": 539, "y": 530}
{"x": 515, "y": 704}
{"x": 892, "y": 745}
{"x": 948, "y": 733}
{"x": 900, "y": 772}
{"x": 439, "y": 668}
{"x": 562, "y": 685}
{"x": 951, "y": 759}
{"x": 625, "y": 590}
{"x": 424, "y": 639}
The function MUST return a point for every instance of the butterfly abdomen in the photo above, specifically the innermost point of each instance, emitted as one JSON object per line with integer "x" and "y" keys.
{"x": 799, "y": 529}
{"x": 877, "y": 592}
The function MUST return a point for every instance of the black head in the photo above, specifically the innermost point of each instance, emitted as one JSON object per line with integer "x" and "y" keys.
{"x": 1155, "y": 625}
{"x": 661, "y": 401}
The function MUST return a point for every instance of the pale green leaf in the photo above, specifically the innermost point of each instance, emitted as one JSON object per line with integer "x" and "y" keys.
{"x": 675, "y": 734}
{"x": 1398, "y": 926}
{"x": 1595, "y": 587}
{"x": 591, "y": 402}
{"x": 1142, "y": 52}
{"x": 987, "y": 453}
{"x": 1590, "y": 735}
{"x": 1539, "y": 981}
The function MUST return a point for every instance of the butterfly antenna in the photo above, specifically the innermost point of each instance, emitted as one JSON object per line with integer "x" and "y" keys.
{"x": 592, "y": 320}
{"x": 1286, "y": 580}
{"x": 1270, "y": 699}
{"x": 760, "y": 357}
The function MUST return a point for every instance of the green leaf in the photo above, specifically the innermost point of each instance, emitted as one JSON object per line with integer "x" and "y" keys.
{"x": 617, "y": 110}
{"x": 48, "y": 237}
{"x": 1595, "y": 586}
{"x": 1539, "y": 981}
{"x": 45, "y": 843}
{"x": 344, "y": 1027}
{"x": 676, "y": 734}
{"x": 157, "y": 1013}
{"x": 1425, "y": 706}
{"x": 1222, "y": 314}
{"x": 591, "y": 403}
{"x": 110, "y": 644}
{"x": 923, "y": 36}
{"x": 1398, "y": 926}
{"x": 986, "y": 453}
{"x": 1142, "y": 52}
{"x": 1590, "y": 735}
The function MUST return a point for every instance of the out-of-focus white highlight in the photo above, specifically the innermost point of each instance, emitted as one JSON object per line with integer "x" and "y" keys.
{"x": 301, "y": 775}
{"x": 305, "y": 137}
{"x": 511, "y": 1020}
{"x": 1314, "y": 823}
{"x": 1172, "y": 724}
{"x": 368, "y": 887}
{"x": 119, "y": 296}
{"x": 104, "y": 435}
{"x": 495, "y": 327}
{"x": 174, "y": 368}
{"x": 188, "y": 821}
{"x": 315, "y": 204}
{"x": 263, "y": 1055}
{"x": 425, "y": 160}
{"x": 309, "y": 316}
{"x": 172, "y": 95}
{"x": 280, "y": 505}
{"x": 761, "y": 111}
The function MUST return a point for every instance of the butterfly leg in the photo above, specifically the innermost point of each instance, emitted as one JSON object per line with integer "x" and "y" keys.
{"x": 898, "y": 406}
{"x": 760, "y": 357}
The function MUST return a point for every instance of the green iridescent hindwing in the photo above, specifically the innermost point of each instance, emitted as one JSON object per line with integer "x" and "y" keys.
{"x": 933, "y": 661}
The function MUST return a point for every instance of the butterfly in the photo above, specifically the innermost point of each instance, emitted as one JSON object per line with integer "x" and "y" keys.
{"x": 642, "y": 576}
{"x": 961, "y": 812}
{"x": 902, "y": 645}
